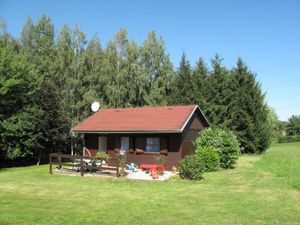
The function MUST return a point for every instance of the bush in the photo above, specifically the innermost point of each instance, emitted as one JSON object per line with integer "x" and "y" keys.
{"x": 209, "y": 157}
{"x": 102, "y": 155}
{"x": 225, "y": 142}
{"x": 287, "y": 139}
{"x": 191, "y": 167}
{"x": 160, "y": 160}
{"x": 293, "y": 126}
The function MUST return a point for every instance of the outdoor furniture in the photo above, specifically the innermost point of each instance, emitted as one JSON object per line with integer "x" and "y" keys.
{"x": 132, "y": 167}
{"x": 152, "y": 167}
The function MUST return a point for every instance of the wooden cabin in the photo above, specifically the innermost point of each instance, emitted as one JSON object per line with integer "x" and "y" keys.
{"x": 144, "y": 132}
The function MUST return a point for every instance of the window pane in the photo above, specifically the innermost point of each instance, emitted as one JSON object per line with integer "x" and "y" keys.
{"x": 124, "y": 143}
{"x": 155, "y": 148}
{"x": 152, "y": 144}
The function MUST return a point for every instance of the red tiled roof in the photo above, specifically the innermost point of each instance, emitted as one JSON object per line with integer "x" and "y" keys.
{"x": 144, "y": 119}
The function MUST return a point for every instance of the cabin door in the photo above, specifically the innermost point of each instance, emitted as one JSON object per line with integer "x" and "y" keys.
{"x": 102, "y": 143}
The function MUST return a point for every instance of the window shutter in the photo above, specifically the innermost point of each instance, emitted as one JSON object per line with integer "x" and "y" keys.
{"x": 163, "y": 144}
{"x": 140, "y": 143}
{"x": 131, "y": 144}
{"x": 117, "y": 143}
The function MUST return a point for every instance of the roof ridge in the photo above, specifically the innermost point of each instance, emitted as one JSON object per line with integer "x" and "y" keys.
{"x": 144, "y": 107}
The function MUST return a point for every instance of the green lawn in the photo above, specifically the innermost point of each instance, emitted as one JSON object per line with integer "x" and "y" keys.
{"x": 261, "y": 190}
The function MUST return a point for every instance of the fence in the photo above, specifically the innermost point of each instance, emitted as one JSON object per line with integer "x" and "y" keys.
{"x": 82, "y": 164}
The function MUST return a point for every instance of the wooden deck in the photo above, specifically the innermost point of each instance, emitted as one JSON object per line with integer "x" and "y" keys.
{"x": 79, "y": 162}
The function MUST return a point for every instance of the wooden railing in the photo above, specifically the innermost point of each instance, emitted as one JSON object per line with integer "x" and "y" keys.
{"x": 82, "y": 164}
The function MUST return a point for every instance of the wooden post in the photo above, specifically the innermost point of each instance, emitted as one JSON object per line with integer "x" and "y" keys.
{"x": 81, "y": 166}
{"x": 118, "y": 168}
{"x": 50, "y": 164}
{"x": 72, "y": 150}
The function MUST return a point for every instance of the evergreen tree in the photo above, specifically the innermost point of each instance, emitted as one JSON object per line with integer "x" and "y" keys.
{"x": 182, "y": 88}
{"x": 52, "y": 127}
{"x": 248, "y": 116}
{"x": 218, "y": 93}
{"x": 199, "y": 84}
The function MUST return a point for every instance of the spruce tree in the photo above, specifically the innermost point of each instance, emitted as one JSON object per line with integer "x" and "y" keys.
{"x": 248, "y": 115}
{"x": 218, "y": 93}
{"x": 199, "y": 84}
{"x": 182, "y": 88}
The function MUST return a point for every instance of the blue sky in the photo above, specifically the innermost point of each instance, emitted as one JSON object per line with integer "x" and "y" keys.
{"x": 266, "y": 34}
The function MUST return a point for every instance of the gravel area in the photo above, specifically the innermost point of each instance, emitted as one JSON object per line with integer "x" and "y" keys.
{"x": 139, "y": 175}
{"x": 142, "y": 175}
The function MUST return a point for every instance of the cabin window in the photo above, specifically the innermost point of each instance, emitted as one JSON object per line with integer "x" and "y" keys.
{"x": 152, "y": 144}
{"x": 125, "y": 143}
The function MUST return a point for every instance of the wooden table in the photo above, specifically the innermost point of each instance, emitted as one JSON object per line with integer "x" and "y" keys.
{"x": 152, "y": 167}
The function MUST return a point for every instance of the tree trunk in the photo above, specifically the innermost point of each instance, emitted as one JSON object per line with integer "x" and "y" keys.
{"x": 39, "y": 158}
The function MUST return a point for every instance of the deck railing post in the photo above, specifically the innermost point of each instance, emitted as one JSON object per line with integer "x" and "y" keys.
{"x": 118, "y": 168}
{"x": 81, "y": 166}
{"x": 50, "y": 164}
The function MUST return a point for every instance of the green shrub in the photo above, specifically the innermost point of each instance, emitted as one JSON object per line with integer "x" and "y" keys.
{"x": 287, "y": 139}
{"x": 102, "y": 155}
{"x": 209, "y": 157}
{"x": 160, "y": 159}
{"x": 191, "y": 167}
{"x": 293, "y": 126}
{"x": 225, "y": 142}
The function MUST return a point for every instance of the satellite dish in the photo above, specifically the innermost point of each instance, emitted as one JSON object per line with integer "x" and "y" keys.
{"x": 95, "y": 106}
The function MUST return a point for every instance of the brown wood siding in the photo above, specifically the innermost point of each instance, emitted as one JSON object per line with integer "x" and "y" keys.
{"x": 170, "y": 142}
{"x": 189, "y": 135}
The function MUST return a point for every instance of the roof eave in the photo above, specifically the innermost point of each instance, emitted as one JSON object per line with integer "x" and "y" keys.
{"x": 128, "y": 132}
{"x": 190, "y": 116}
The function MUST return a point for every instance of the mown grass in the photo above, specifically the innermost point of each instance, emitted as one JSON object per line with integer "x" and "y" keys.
{"x": 261, "y": 190}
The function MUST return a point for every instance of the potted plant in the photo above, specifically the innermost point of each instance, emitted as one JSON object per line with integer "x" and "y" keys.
{"x": 160, "y": 160}
{"x": 102, "y": 156}
{"x": 122, "y": 162}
